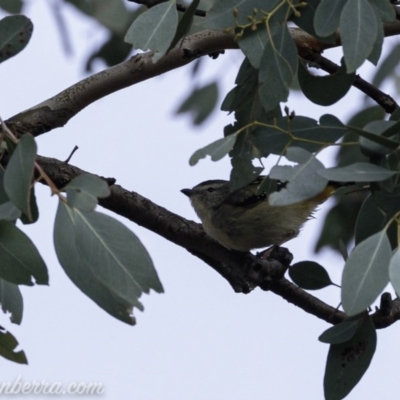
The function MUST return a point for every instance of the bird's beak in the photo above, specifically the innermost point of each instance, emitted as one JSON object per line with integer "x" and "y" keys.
{"x": 187, "y": 192}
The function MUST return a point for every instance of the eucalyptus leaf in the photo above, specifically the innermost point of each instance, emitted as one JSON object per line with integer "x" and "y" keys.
{"x": 243, "y": 171}
{"x": 12, "y": 6}
{"x": 216, "y": 150}
{"x": 325, "y": 90}
{"x": 357, "y": 172}
{"x": 327, "y": 17}
{"x": 221, "y": 15}
{"x": 366, "y": 273}
{"x": 8, "y": 344}
{"x": 19, "y": 173}
{"x": 201, "y": 102}
{"x": 185, "y": 23}
{"x": 306, "y": 21}
{"x": 253, "y": 43}
{"x": 340, "y": 333}
{"x": 20, "y": 260}
{"x": 303, "y": 180}
{"x": 309, "y": 275}
{"x": 394, "y": 270}
{"x": 83, "y": 191}
{"x": 348, "y": 361}
{"x": 15, "y": 33}
{"x": 104, "y": 259}
{"x": 385, "y": 9}
{"x": 154, "y": 29}
{"x": 358, "y": 29}
{"x": 11, "y": 300}
{"x": 278, "y": 66}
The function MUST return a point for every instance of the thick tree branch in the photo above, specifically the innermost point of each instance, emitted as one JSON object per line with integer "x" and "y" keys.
{"x": 58, "y": 110}
{"x": 243, "y": 271}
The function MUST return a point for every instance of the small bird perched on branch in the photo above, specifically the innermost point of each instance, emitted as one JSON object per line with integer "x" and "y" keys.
{"x": 244, "y": 219}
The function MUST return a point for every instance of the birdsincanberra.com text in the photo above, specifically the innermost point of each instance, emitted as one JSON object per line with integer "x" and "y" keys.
{"x": 18, "y": 386}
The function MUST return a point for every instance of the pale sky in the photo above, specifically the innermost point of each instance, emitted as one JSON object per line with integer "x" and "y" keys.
{"x": 199, "y": 340}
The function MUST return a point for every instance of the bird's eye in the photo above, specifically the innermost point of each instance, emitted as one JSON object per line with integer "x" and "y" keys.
{"x": 210, "y": 189}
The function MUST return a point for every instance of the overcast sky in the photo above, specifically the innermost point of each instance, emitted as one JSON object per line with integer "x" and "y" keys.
{"x": 199, "y": 340}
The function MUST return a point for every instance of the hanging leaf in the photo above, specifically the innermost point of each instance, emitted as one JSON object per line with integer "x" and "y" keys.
{"x": 366, "y": 273}
{"x": 104, "y": 259}
{"x": 394, "y": 270}
{"x": 201, "y": 103}
{"x": 84, "y": 190}
{"x": 20, "y": 260}
{"x": 303, "y": 180}
{"x": 347, "y": 362}
{"x": 154, "y": 29}
{"x": 11, "y": 300}
{"x": 327, "y": 17}
{"x": 15, "y": 33}
{"x": 19, "y": 173}
{"x": 340, "y": 333}
{"x": 216, "y": 150}
{"x": 278, "y": 66}
{"x": 325, "y": 90}
{"x": 309, "y": 275}
{"x": 8, "y": 344}
{"x": 358, "y": 30}
{"x": 357, "y": 172}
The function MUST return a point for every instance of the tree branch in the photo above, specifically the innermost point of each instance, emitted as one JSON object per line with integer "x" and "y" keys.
{"x": 244, "y": 271}
{"x": 58, "y": 110}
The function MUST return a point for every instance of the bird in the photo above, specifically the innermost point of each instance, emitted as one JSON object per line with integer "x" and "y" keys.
{"x": 244, "y": 220}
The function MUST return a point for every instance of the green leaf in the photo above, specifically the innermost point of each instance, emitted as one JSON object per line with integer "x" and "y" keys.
{"x": 372, "y": 148}
{"x": 325, "y": 90}
{"x": 278, "y": 66}
{"x": 243, "y": 171}
{"x": 185, "y": 23}
{"x": 19, "y": 173}
{"x": 253, "y": 44}
{"x": 306, "y": 21}
{"x": 201, "y": 102}
{"x": 357, "y": 172}
{"x": 327, "y": 17}
{"x": 299, "y": 131}
{"x": 348, "y": 361}
{"x": 8, "y": 343}
{"x": 217, "y": 150}
{"x": 154, "y": 29}
{"x": 394, "y": 271}
{"x": 245, "y": 101}
{"x": 84, "y": 190}
{"x": 388, "y": 65}
{"x": 15, "y": 33}
{"x": 8, "y": 211}
{"x": 340, "y": 333}
{"x": 105, "y": 260}
{"x": 34, "y": 216}
{"x": 370, "y": 220}
{"x": 376, "y": 52}
{"x": 221, "y": 14}
{"x": 358, "y": 29}
{"x": 11, "y": 300}
{"x": 375, "y": 213}
{"x": 20, "y": 260}
{"x": 303, "y": 180}
{"x": 366, "y": 273}
{"x": 309, "y": 275}
{"x": 385, "y": 9}
{"x": 11, "y": 6}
